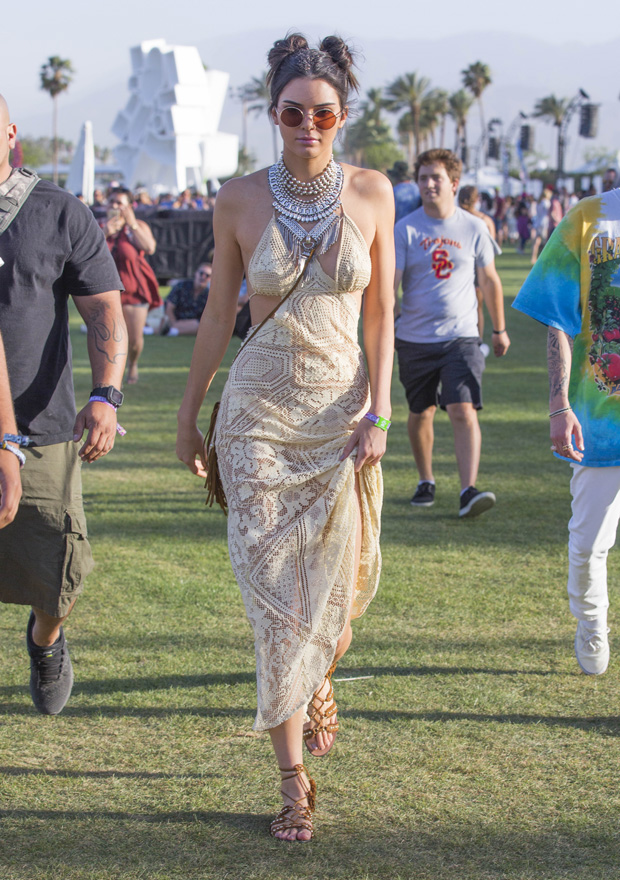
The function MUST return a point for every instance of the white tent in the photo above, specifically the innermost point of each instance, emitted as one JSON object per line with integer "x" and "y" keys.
{"x": 81, "y": 177}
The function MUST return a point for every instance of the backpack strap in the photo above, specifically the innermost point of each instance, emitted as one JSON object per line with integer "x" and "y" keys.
{"x": 13, "y": 193}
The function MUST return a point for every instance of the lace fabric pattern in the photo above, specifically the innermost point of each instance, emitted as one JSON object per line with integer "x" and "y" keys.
{"x": 293, "y": 396}
{"x": 271, "y": 271}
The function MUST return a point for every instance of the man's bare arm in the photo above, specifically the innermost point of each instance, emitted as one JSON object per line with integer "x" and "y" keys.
{"x": 10, "y": 482}
{"x": 564, "y": 426}
{"x": 491, "y": 287}
{"x": 107, "y": 350}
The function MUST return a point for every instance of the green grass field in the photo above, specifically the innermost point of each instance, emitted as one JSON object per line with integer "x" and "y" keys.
{"x": 472, "y": 748}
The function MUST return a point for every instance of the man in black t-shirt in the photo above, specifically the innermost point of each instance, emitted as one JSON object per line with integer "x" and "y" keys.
{"x": 53, "y": 249}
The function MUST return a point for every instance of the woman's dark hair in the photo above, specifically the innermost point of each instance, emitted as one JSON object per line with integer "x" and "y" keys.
{"x": 122, "y": 191}
{"x": 292, "y": 58}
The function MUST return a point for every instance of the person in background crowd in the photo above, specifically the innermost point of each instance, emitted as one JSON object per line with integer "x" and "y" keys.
{"x": 524, "y": 225}
{"x": 129, "y": 239}
{"x": 185, "y": 304}
{"x": 406, "y": 191}
{"x": 609, "y": 179}
{"x": 541, "y": 222}
{"x": 555, "y": 212}
{"x": 185, "y": 201}
{"x": 468, "y": 199}
{"x": 441, "y": 251}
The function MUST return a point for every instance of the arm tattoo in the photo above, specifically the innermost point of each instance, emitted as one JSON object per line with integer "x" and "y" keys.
{"x": 107, "y": 336}
{"x": 559, "y": 356}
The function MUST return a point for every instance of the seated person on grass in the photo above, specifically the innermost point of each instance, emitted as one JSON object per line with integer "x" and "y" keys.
{"x": 185, "y": 304}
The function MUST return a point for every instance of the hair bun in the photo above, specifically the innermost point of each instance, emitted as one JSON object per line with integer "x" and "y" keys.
{"x": 282, "y": 49}
{"x": 341, "y": 55}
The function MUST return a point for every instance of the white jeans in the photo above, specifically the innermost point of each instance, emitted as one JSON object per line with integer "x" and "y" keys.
{"x": 591, "y": 535}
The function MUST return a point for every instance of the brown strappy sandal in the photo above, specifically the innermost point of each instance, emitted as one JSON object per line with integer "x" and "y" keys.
{"x": 320, "y": 717}
{"x": 296, "y": 815}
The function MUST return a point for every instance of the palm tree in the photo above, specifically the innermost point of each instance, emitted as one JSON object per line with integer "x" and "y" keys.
{"x": 553, "y": 110}
{"x": 459, "y": 104}
{"x": 256, "y": 98}
{"x": 56, "y": 75}
{"x": 476, "y": 78}
{"x": 407, "y": 93}
{"x": 433, "y": 111}
{"x": 438, "y": 100}
{"x": 368, "y": 140}
{"x": 374, "y": 104}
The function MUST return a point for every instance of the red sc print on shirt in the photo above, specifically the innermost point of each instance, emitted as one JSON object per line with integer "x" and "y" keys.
{"x": 442, "y": 264}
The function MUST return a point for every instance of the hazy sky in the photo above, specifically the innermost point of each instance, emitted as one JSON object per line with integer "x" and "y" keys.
{"x": 96, "y": 37}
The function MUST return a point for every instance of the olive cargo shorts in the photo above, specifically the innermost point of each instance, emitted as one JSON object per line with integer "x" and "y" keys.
{"x": 44, "y": 552}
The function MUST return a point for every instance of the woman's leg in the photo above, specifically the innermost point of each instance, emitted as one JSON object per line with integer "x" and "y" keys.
{"x": 324, "y": 740}
{"x": 135, "y": 318}
{"x": 287, "y": 743}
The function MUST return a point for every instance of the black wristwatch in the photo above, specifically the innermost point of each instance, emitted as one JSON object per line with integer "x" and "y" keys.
{"x": 111, "y": 394}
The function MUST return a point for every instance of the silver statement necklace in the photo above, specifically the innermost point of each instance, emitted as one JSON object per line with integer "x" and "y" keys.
{"x": 315, "y": 201}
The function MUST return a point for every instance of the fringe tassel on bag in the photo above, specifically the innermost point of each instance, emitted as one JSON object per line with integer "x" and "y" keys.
{"x": 213, "y": 483}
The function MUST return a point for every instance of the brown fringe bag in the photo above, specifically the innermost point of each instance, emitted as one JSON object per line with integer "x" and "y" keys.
{"x": 213, "y": 482}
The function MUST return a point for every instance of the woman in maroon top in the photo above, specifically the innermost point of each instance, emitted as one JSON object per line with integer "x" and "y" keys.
{"x": 129, "y": 239}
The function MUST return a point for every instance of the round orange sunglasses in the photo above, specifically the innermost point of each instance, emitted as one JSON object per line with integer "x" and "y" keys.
{"x": 292, "y": 117}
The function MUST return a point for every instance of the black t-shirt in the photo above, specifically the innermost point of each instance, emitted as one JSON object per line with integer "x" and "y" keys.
{"x": 53, "y": 249}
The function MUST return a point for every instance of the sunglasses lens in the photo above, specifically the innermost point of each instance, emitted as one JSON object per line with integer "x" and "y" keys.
{"x": 291, "y": 117}
{"x": 324, "y": 119}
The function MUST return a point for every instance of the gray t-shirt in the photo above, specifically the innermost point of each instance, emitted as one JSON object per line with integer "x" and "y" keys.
{"x": 438, "y": 259}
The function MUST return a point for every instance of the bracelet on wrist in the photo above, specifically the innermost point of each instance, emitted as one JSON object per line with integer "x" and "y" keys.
{"x": 560, "y": 411}
{"x": 497, "y": 332}
{"x": 378, "y": 421}
{"x": 17, "y": 452}
{"x": 99, "y": 399}
{"x": 20, "y": 439}
{"x": 119, "y": 428}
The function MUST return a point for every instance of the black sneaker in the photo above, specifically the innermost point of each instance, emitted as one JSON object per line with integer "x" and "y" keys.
{"x": 473, "y": 502}
{"x": 51, "y": 673}
{"x": 424, "y": 495}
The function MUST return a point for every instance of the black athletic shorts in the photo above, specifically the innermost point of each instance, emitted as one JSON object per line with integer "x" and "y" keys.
{"x": 441, "y": 373}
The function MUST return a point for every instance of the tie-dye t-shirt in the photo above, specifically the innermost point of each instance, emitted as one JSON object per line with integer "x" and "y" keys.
{"x": 575, "y": 287}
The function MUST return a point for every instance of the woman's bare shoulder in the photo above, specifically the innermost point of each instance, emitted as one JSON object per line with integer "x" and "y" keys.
{"x": 238, "y": 190}
{"x": 368, "y": 183}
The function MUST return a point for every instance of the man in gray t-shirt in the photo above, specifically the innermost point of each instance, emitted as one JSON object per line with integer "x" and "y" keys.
{"x": 441, "y": 253}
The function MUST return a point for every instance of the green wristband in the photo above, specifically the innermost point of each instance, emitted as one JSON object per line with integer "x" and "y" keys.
{"x": 378, "y": 422}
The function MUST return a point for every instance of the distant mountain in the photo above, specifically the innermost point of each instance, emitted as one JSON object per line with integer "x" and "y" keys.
{"x": 523, "y": 69}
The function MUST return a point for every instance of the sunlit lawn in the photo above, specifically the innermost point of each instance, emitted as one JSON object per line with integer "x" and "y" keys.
{"x": 471, "y": 746}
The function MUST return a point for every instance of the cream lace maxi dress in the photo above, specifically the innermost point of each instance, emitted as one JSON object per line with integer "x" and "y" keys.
{"x": 294, "y": 395}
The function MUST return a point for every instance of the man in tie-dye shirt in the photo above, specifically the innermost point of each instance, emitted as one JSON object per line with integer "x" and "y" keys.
{"x": 574, "y": 289}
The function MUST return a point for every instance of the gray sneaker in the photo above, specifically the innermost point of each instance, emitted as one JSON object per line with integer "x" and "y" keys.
{"x": 591, "y": 649}
{"x": 51, "y": 673}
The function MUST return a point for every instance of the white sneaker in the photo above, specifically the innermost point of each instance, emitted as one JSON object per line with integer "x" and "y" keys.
{"x": 591, "y": 649}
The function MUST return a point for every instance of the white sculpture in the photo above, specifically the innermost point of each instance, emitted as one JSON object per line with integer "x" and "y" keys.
{"x": 168, "y": 130}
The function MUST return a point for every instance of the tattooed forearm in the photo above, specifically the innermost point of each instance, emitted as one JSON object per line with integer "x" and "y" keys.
{"x": 559, "y": 358}
{"x": 109, "y": 338}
